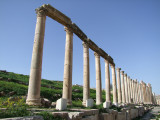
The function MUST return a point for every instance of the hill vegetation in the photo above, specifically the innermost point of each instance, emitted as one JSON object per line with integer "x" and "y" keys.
{"x": 16, "y": 85}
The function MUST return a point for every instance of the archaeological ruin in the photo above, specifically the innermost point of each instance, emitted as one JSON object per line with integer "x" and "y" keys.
{"x": 125, "y": 89}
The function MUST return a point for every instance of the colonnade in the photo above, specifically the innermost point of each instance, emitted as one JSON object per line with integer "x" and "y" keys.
{"x": 125, "y": 89}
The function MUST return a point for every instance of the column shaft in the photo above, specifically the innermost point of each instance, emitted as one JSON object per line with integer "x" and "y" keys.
{"x": 123, "y": 87}
{"x": 33, "y": 97}
{"x": 119, "y": 86}
{"x": 126, "y": 88}
{"x": 67, "y": 81}
{"x": 114, "y": 85}
{"x": 86, "y": 81}
{"x": 98, "y": 79}
{"x": 107, "y": 78}
{"x": 128, "y": 84}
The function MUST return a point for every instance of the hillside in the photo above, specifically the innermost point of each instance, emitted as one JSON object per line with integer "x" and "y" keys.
{"x": 13, "y": 84}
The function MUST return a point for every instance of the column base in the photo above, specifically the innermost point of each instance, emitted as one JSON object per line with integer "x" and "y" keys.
{"x": 115, "y": 103}
{"x": 106, "y": 104}
{"x": 69, "y": 102}
{"x": 98, "y": 103}
{"x": 34, "y": 102}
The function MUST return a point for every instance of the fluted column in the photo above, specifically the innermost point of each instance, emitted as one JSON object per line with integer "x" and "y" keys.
{"x": 98, "y": 79}
{"x": 107, "y": 80}
{"x": 33, "y": 97}
{"x": 115, "y": 101}
{"x": 86, "y": 81}
{"x": 126, "y": 87}
{"x": 67, "y": 81}
{"x": 123, "y": 87}
{"x": 129, "y": 90}
{"x": 119, "y": 86}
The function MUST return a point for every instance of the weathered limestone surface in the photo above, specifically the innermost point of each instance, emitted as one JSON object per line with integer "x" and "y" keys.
{"x": 98, "y": 79}
{"x": 126, "y": 88}
{"x": 128, "y": 85}
{"x": 107, "y": 80}
{"x": 134, "y": 113}
{"x": 123, "y": 87}
{"x": 119, "y": 86}
{"x": 115, "y": 101}
{"x": 66, "y": 21}
{"x": 33, "y": 97}
{"x": 67, "y": 82}
{"x": 89, "y": 103}
{"x": 61, "y": 104}
{"x": 121, "y": 116}
{"x": 86, "y": 81}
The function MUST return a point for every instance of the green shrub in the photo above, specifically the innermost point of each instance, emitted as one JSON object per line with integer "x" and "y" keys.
{"x": 48, "y": 116}
{"x": 15, "y": 108}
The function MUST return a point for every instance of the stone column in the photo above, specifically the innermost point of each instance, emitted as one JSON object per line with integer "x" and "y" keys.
{"x": 131, "y": 87}
{"x": 119, "y": 86}
{"x": 114, "y": 85}
{"x": 67, "y": 81}
{"x": 98, "y": 79}
{"x": 150, "y": 94}
{"x": 126, "y": 87}
{"x": 138, "y": 99}
{"x": 33, "y": 97}
{"x": 133, "y": 92}
{"x": 86, "y": 81}
{"x": 136, "y": 88}
{"x": 107, "y": 78}
{"x": 144, "y": 92}
{"x": 141, "y": 93}
{"x": 128, "y": 84}
{"x": 123, "y": 87}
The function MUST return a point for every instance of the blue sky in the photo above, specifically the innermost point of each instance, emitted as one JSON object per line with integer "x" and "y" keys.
{"x": 128, "y": 30}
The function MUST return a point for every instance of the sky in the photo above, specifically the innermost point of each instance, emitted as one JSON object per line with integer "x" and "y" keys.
{"x": 128, "y": 30}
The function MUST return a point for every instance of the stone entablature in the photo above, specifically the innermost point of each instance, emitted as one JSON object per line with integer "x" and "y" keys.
{"x": 66, "y": 21}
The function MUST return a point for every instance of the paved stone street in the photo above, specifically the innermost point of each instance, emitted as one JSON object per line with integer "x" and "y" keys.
{"x": 150, "y": 115}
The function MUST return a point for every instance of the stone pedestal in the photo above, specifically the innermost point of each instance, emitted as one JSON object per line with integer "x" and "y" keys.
{"x": 119, "y": 86}
{"x": 86, "y": 81}
{"x": 98, "y": 79}
{"x": 115, "y": 101}
{"x": 33, "y": 97}
{"x": 61, "y": 104}
{"x": 107, "y": 80}
{"x": 67, "y": 82}
{"x": 89, "y": 103}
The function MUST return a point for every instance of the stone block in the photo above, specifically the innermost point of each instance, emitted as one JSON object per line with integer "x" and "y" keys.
{"x": 89, "y": 103}
{"x": 61, "y": 104}
{"x": 106, "y": 116}
{"x": 134, "y": 113}
{"x": 121, "y": 116}
{"x": 106, "y": 104}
